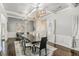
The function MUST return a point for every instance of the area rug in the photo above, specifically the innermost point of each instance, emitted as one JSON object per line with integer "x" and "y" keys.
{"x": 19, "y": 50}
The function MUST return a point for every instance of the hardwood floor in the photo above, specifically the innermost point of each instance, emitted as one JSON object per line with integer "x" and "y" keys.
{"x": 61, "y": 50}
{"x": 11, "y": 47}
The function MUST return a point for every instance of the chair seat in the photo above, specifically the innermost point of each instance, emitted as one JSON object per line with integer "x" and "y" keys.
{"x": 37, "y": 45}
{"x": 29, "y": 44}
{"x": 36, "y": 42}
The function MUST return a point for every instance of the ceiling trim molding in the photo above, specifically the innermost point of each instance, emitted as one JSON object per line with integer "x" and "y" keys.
{"x": 70, "y": 5}
{"x": 15, "y": 17}
{"x": 14, "y": 13}
{"x": 2, "y": 10}
{"x": 17, "y": 14}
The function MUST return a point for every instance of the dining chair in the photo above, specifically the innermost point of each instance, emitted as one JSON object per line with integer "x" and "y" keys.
{"x": 18, "y": 36}
{"x": 42, "y": 45}
{"x": 26, "y": 44}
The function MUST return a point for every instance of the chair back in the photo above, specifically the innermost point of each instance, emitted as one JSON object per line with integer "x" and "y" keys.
{"x": 43, "y": 43}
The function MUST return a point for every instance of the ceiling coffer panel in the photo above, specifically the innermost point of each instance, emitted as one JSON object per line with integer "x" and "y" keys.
{"x": 20, "y": 8}
{"x": 55, "y": 7}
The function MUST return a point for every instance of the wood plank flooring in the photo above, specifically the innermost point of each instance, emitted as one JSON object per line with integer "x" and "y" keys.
{"x": 11, "y": 47}
{"x": 63, "y": 51}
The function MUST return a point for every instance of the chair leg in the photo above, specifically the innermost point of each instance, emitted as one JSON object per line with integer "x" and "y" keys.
{"x": 30, "y": 47}
{"x": 39, "y": 52}
{"x": 45, "y": 51}
{"x": 24, "y": 49}
{"x": 35, "y": 49}
{"x": 32, "y": 50}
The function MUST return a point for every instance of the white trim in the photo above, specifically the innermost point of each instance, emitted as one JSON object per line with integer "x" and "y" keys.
{"x": 14, "y": 13}
{"x": 15, "y": 17}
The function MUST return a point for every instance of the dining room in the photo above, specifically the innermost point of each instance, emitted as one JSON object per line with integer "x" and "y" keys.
{"x": 39, "y": 29}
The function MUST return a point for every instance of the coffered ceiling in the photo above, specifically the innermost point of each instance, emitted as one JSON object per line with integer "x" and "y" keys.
{"x": 21, "y": 10}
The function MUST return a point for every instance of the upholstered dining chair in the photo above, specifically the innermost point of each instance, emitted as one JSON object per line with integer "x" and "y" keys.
{"x": 42, "y": 45}
{"x": 26, "y": 44}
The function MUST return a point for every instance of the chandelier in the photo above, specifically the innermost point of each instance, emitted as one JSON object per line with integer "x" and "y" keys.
{"x": 40, "y": 13}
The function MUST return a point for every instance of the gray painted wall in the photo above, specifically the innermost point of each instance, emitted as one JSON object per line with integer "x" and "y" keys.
{"x": 12, "y": 24}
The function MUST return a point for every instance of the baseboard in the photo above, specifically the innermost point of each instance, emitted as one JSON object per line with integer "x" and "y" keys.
{"x": 12, "y": 38}
{"x": 0, "y": 53}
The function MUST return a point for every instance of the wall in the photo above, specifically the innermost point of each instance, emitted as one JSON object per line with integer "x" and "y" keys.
{"x": 14, "y": 25}
{"x": 50, "y": 28}
{"x": 18, "y": 25}
{"x": 30, "y": 26}
{"x": 64, "y": 29}
{"x": 3, "y": 33}
{"x": 0, "y": 33}
{"x": 64, "y": 26}
{"x": 68, "y": 17}
{"x": 41, "y": 28}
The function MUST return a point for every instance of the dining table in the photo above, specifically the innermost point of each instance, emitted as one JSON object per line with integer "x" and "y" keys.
{"x": 32, "y": 44}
